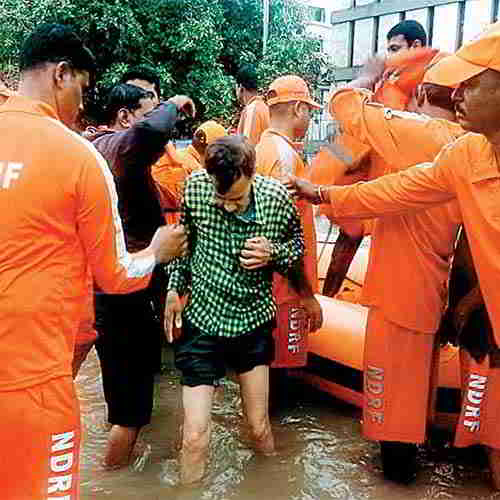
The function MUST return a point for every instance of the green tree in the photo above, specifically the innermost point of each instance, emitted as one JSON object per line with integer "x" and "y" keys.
{"x": 195, "y": 45}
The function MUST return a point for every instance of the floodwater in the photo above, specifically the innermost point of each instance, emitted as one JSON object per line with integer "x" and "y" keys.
{"x": 321, "y": 455}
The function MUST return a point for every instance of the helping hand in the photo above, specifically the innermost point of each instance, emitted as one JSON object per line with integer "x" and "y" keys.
{"x": 169, "y": 242}
{"x": 300, "y": 188}
{"x": 184, "y": 104}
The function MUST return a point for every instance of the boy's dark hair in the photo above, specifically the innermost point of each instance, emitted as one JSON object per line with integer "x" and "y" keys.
{"x": 247, "y": 77}
{"x": 411, "y": 30}
{"x": 143, "y": 72}
{"x": 54, "y": 43}
{"x": 125, "y": 96}
{"x": 227, "y": 159}
{"x": 439, "y": 96}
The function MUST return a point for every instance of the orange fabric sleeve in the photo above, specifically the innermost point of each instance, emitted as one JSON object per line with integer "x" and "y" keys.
{"x": 400, "y": 138}
{"x": 334, "y": 167}
{"x": 411, "y": 190}
{"x": 346, "y": 106}
{"x": 100, "y": 230}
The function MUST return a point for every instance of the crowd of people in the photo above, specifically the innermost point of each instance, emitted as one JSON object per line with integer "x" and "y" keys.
{"x": 112, "y": 236}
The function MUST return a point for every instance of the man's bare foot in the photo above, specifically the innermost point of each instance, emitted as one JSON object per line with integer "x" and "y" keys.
{"x": 192, "y": 467}
{"x": 265, "y": 443}
{"x": 121, "y": 441}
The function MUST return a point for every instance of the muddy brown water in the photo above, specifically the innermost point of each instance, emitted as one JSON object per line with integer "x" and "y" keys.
{"x": 321, "y": 454}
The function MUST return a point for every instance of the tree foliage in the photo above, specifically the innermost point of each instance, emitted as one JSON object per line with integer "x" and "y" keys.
{"x": 195, "y": 45}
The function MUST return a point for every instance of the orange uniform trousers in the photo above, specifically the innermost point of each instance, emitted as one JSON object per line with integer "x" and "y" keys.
{"x": 480, "y": 410}
{"x": 40, "y": 442}
{"x": 400, "y": 380}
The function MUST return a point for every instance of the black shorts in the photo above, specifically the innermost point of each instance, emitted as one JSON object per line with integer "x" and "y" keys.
{"x": 203, "y": 358}
{"x": 129, "y": 349}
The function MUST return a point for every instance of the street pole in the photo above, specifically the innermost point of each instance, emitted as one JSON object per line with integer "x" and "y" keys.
{"x": 265, "y": 25}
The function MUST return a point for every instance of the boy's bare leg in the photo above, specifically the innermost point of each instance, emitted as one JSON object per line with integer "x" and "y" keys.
{"x": 197, "y": 403}
{"x": 254, "y": 387}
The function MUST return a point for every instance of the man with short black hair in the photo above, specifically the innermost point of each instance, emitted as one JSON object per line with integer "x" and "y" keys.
{"x": 127, "y": 103}
{"x": 59, "y": 216}
{"x": 407, "y": 34}
{"x": 146, "y": 78}
{"x": 254, "y": 118}
{"x": 129, "y": 336}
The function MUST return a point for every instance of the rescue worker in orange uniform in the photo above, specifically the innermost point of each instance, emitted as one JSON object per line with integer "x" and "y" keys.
{"x": 168, "y": 175}
{"x": 172, "y": 169}
{"x": 192, "y": 156}
{"x": 147, "y": 79}
{"x": 394, "y": 81}
{"x": 405, "y": 284}
{"x": 405, "y": 35}
{"x": 290, "y": 106}
{"x": 468, "y": 172}
{"x": 59, "y": 216}
{"x": 254, "y": 118}
{"x": 402, "y": 73}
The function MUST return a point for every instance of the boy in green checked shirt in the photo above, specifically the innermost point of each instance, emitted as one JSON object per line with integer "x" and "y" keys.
{"x": 242, "y": 227}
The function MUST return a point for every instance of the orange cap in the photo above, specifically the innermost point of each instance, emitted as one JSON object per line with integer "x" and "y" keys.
{"x": 433, "y": 73}
{"x": 472, "y": 58}
{"x": 212, "y": 130}
{"x": 289, "y": 88}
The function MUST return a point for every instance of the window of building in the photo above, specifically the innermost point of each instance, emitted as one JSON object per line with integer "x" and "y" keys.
{"x": 340, "y": 44}
{"x": 342, "y": 4}
{"x": 317, "y": 14}
{"x": 477, "y": 17}
{"x": 363, "y": 40}
{"x": 445, "y": 33}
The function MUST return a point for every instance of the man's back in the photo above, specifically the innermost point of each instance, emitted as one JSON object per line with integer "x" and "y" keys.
{"x": 254, "y": 120}
{"x": 276, "y": 156}
{"x": 42, "y": 261}
{"x": 408, "y": 252}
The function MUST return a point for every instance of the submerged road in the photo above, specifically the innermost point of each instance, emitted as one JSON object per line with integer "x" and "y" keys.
{"x": 321, "y": 455}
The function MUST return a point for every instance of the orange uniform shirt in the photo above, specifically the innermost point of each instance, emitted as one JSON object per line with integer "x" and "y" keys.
{"x": 275, "y": 156}
{"x": 169, "y": 174}
{"x": 467, "y": 171}
{"x": 254, "y": 120}
{"x": 409, "y": 257}
{"x": 191, "y": 159}
{"x": 59, "y": 214}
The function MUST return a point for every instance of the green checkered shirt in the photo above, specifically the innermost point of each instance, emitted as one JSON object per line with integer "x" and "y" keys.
{"x": 226, "y": 299}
